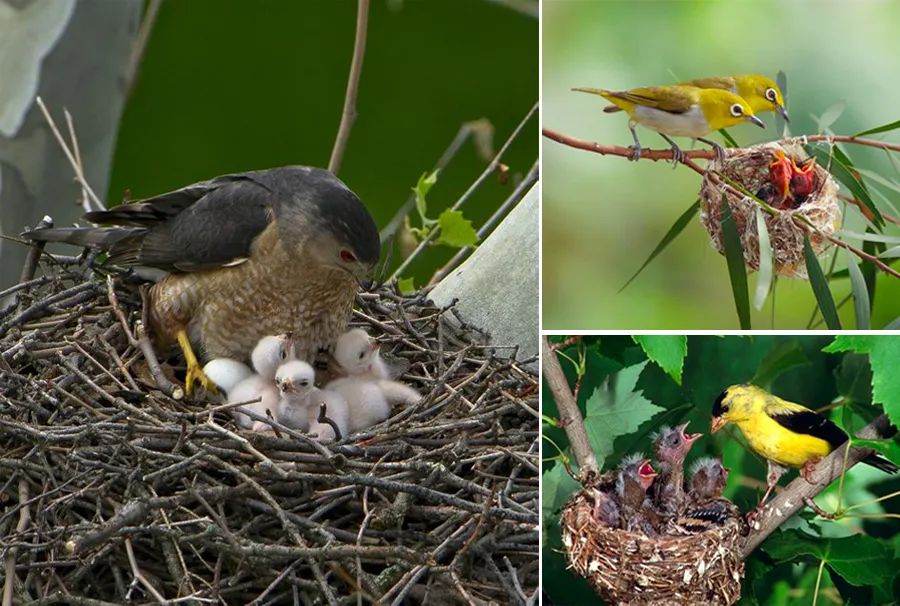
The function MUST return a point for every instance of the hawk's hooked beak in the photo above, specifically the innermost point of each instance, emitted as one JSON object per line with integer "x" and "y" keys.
{"x": 285, "y": 386}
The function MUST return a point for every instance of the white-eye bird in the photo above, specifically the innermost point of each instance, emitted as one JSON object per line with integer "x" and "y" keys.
{"x": 270, "y": 352}
{"x": 300, "y": 402}
{"x": 682, "y": 111}
{"x": 671, "y": 446}
{"x": 760, "y": 92}
{"x": 635, "y": 476}
{"x": 784, "y": 433}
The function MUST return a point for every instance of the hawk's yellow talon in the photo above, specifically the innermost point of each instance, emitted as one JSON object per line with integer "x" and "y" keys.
{"x": 194, "y": 370}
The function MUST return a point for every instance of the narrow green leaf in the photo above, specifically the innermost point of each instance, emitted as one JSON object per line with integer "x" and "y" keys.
{"x": 764, "y": 275}
{"x": 879, "y": 129}
{"x": 423, "y": 186}
{"x": 780, "y": 124}
{"x": 830, "y": 115}
{"x": 860, "y": 294}
{"x": 737, "y": 271}
{"x": 668, "y": 351}
{"x": 842, "y": 168}
{"x": 820, "y": 287}
{"x": 673, "y": 232}
{"x": 728, "y": 138}
{"x": 890, "y": 253}
{"x": 868, "y": 236}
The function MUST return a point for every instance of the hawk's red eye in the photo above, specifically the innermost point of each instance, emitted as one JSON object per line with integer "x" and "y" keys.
{"x": 347, "y": 256}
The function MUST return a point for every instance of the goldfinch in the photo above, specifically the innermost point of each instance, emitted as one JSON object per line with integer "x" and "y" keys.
{"x": 784, "y": 433}
{"x": 671, "y": 446}
{"x": 683, "y": 111}
{"x": 760, "y": 92}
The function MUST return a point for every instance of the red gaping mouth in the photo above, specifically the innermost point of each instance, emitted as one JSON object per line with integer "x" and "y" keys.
{"x": 646, "y": 470}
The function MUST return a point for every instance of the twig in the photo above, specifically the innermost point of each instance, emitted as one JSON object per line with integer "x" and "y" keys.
{"x": 139, "y": 576}
{"x": 34, "y": 253}
{"x": 571, "y": 418}
{"x": 791, "y": 500}
{"x": 10, "y": 564}
{"x": 140, "y": 45}
{"x": 348, "y": 117}
{"x": 492, "y": 166}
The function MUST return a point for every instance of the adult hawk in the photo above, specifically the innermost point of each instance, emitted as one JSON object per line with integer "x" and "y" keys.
{"x": 247, "y": 255}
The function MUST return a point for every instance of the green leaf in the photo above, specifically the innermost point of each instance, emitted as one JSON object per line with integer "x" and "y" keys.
{"x": 456, "y": 230}
{"x": 867, "y": 236}
{"x": 737, "y": 271}
{"x": 889, "y": 449}
{"x": 729, "y": 140}
{"x": 879, "y": 129}
{"x": 820, "y": 287}
{"x": 406, "y": 286}
{"x": 617, "y": 410}
{"x": 830, "y": 115}
{"x": 842, "y": 169}
{"x": 859, "y": 559}
{"x": 764, "y": 275}
{"x": 668, "y": 351}
{"x": 673, "y": 232}
{"x": 556, "y": 488}
{"x": 423, "y": 186}
{"x": 860, "y": 294}
{"x": 786, "y": 355}
{"x": 780, "y": 124}
{"x": 891, "y": 253}
{"x": 884, "y": 351}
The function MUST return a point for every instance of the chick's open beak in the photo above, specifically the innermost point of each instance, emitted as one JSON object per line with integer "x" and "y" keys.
{"x": 717, "y": 424}
{"x": 688, "y": 437}
{"x": 755, "y": 121}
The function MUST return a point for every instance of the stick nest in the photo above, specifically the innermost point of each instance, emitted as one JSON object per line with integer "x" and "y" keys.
{"x": 110, "y": 489}
{"x": 749, "y": 169}
{"x": 631, "y": 568}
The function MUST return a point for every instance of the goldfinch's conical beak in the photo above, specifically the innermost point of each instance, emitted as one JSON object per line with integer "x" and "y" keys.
{"x": 717, "y": 424}
{"x": 755, "y": 121}
{"x": 780, "y": 109}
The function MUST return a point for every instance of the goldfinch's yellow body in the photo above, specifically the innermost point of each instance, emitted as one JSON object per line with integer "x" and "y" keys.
{"x": 682, "y": 111}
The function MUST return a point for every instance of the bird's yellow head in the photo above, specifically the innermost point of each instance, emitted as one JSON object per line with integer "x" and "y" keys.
{"x": 735, "y": 404}
{"x": 723, "y": 109}
{"x": 761, "y": 93}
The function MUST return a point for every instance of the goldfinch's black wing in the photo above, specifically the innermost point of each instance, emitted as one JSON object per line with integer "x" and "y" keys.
{"x": 810, "y": 423}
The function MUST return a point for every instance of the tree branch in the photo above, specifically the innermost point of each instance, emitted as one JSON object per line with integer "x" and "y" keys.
{"x": 791, "y": 500}
{"x": 570, "y": 416}
{"x": 348, "y": 117}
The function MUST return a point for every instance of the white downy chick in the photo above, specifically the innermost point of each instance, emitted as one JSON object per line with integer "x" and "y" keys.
{"x": 359, "y": 355}
{"x": 269, "y": 353}
{"x": 365, "y": 399}
{"x": 227, "y": 373}
{"x": 300, "y": 402}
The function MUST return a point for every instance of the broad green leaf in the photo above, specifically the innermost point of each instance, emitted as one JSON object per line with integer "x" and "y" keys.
{"x": 423, "y": 186}
{"x": 737, "y": 271}
{"x": 406, "y": 286}
{"x": 841, "y": 169}
{"x": 889, "y": 449}
{"x": 668, "y": 351}
{"x": 853, "y": 379}
{"x": 830, "y": 115}
{"x": 860, "y": 559}
{"x": 860, "y": 294}
{"x": 556, "y": 487}
{"x": 616, "y": 410}
{"x": 879, "y": 129}
{"x": 820, "y": 287}
{"x": 786, "y": 355}
{"x": 884, "y": 351}
{"x": 780, "y": 124}
{"x": 673, "y": 232}
{"x": 764, "y": 275}
{"x": 456, "y": 230}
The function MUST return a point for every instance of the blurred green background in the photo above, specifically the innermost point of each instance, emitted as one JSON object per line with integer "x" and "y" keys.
{"x": 231, "y": 86}
{"x": 603, "y": 215}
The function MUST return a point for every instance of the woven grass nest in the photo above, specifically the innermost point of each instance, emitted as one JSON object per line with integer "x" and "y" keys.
{"x": 631, "y": 568}
{"x": 749, "y": 168}
{"x": 111, "y": 490}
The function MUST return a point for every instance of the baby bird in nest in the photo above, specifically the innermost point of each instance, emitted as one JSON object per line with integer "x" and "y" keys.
{"x": 300, "y": 403}
{"x": 606, "y": 510}
{"x": 635, "y": 476}
{"x": 671, "y": 446}
{"x": 267, "y": 356}
{"x": 705, "y": 506}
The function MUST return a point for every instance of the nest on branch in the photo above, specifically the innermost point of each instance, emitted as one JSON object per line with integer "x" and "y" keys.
{"x": 632, "y": 568}
{"x": 749, "y": 169}
{"x": 110, "y": 489}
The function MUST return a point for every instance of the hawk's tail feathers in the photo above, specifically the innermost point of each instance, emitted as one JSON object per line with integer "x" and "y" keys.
{"x": 121, "y": 242}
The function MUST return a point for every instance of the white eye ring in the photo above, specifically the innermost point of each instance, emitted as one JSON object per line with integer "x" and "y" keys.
{"x": 770, "y": 95}
{"x": 737, "y": 110}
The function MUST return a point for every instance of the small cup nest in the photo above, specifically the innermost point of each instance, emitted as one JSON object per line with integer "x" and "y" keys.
{"x": 750, "y": 168}
{"x": 632, "y": 568}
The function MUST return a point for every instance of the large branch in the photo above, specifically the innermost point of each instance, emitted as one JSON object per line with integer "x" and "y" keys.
{"x": 791, "y": 500}
{"x": 569, "y": 414}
